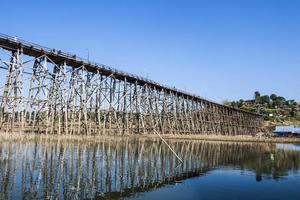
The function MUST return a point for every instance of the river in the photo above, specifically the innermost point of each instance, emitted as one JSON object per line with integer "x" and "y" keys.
{"x": 138, "y": 168}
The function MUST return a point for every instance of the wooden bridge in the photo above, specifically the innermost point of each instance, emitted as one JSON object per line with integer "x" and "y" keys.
{"x": 51, "y": 91}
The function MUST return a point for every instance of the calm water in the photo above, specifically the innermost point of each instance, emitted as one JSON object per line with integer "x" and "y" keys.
{"x": 143, "y": 169}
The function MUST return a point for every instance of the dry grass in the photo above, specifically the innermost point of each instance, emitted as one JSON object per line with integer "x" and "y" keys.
{"x": 84, "y": 138}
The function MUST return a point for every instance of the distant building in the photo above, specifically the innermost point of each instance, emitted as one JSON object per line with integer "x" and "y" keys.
{"x": 250, "y": 101}
{"x": 285, "y": 130}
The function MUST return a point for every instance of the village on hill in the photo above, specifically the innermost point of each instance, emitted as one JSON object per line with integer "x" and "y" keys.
{"x": 274, "y": 108}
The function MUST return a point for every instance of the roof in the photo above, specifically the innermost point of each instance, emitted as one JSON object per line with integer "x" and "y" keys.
{"x": 287, "y": 129}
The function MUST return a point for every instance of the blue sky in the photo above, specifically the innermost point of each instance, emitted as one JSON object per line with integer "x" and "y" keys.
{"x": 221, "y": 50}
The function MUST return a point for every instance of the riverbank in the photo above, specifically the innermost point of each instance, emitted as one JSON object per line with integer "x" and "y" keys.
{"x": 239, "y": 138}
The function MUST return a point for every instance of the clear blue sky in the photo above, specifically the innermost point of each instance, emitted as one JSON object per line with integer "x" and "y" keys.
{"x": 217, "y": 49}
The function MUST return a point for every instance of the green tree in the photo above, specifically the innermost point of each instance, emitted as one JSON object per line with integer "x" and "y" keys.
{"x": 265, "y": 99}
{"x": 279, "y": 101}
{"x": 273, "y": 97}
{"x": 257, "y": 96}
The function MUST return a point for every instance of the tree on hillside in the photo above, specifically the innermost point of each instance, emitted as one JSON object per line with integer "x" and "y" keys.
{"x": 257, "y": 96}
{"x": 265, "y": 100}
{"x": 279, "y": 102}
{"x": 273, "y": 97}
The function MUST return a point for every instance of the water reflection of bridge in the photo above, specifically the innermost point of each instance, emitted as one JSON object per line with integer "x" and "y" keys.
{"x": 122, "y": 167}
{"x": 45, "y": 90}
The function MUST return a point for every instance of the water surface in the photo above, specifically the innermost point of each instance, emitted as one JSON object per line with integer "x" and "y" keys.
{"x": 147, "y": 169}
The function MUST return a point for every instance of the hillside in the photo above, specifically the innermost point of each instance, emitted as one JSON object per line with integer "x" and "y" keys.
{"x": 275, "y": 109}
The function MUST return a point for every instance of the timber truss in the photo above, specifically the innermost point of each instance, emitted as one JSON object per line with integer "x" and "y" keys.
{"x": 47, "y": 90}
